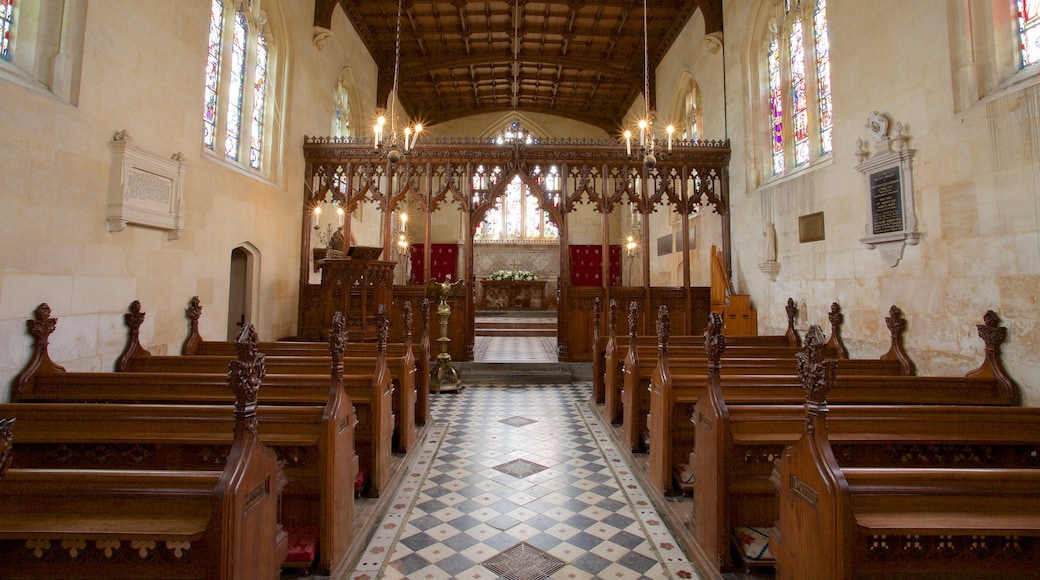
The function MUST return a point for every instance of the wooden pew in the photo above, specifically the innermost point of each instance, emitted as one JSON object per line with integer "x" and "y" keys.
{"x": 112, "y": 523}
{"x": 314, "y": 442}
{"x": 730, "y": 477}
{"x": 676, "y": 386}
{"x": 360, "y": 359}
{"x": 637, "y": 356}
{"x": 370, "y": 392}
{"x": 850, "y": 522}
{"x": 688, "y": 358}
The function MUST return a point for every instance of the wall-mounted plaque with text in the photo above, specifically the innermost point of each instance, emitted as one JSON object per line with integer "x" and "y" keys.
{"x": 891, "y": 218}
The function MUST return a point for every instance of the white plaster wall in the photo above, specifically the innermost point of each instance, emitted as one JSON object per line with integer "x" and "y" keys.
{"x": 142, "y": 72}
{"x": 977, "y": 185}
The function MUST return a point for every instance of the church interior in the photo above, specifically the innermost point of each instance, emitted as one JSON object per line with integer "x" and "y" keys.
{"x": 521, "y": 289}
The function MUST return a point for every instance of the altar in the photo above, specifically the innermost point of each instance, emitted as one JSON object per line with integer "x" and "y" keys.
{"x": 512, "y": 294}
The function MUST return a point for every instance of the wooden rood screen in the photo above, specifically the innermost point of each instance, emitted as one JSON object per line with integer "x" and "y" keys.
{"x": 455, "y": 172}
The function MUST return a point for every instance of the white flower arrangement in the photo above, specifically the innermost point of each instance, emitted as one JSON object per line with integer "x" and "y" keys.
{"x": 512, "y": 276}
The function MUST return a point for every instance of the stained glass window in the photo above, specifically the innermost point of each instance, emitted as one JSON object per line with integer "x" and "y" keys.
{"x": 239, "y": 41}
{"x": 6, "y": 26}
{"x": 259, "y": 98}
{"x": 823, "y": 75}
{"x": 516, "y": 214}
{"x": 776, "y": 105}
{"x": 209, "y": 116}
{"x": 799, "y": 109}
{"x": 1029, "y": 31}
{"x": 798, "y": 85}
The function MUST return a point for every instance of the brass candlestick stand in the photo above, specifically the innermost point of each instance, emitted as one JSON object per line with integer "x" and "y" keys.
{"x": 443, "y": 377}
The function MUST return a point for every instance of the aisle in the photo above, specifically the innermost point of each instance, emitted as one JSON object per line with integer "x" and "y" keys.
{"x": 520, "y": 483}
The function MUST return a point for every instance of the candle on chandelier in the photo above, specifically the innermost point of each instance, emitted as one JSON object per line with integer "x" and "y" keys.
{"x": 670, "y": 129}
{"x": 642, "y": 131}
{"x": 407, "y": 134}
{"x": 628, "y": 142}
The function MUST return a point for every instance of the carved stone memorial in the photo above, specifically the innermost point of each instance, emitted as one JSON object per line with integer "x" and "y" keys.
{"x": 145, "y": 188}
{"x": 891, "y": 218}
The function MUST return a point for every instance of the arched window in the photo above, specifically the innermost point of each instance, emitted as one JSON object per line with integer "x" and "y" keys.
{"x": 692, "y": 112}
{"x": 1028, "y": 12}
{"x": 237, "y": 75}
{"x": 6, "y": 25}
{"x": 516, "y": 215}
{"x": 797, "y": 78}
{"x": 41, "y": 45}
{"x": 341, "y": 109}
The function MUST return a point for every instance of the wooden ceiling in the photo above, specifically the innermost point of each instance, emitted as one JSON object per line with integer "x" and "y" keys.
{"x": 578, "y": 59}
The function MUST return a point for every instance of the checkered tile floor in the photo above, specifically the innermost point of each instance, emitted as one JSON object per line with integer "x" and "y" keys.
{"x": 514, "y": 349}
{"x": 520, "y": 483}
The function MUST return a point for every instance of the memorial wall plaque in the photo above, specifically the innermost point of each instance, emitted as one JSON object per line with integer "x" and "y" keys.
{"x": 886, "y": 202}
{"x": 664, "y": 245}
{"x": 891, "y": 217}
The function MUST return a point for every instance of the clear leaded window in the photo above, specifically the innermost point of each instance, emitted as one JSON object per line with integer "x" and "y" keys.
{"x": 234, "y": 110}
{"x": 798, "y": 98}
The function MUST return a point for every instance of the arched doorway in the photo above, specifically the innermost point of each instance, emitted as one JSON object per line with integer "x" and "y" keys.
{"x": 242, "y": 284}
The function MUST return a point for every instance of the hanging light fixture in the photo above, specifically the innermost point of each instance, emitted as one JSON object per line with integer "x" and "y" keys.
{"x": 395, "y": 151}
{"x": 647, "y": 140}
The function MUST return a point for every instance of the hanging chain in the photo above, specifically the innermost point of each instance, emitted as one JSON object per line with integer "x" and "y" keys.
{"x": 397, "y": 66}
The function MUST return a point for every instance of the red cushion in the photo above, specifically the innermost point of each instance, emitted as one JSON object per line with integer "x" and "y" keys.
{"x": 303, "y": 544}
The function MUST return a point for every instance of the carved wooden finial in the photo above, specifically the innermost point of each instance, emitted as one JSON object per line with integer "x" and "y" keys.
{"x": 991, "y": 333}
{"x": 338, "y": 338}
{"x": 633, "y": 318}
{"x": 896, "y": 322}
{"x": 194, "y": 312}
{"x": 811, "y": 368}
{"x": 408, "y": 321}
{"x": 837, "y": 319}
{"x": 792, "y": 313}
{"x": 245, "y": 374}
{"x": 424, "y": 318}
{"x": 714, "y": 342}
{"x": 135, "y": 318}
{"x": 41, "y": 325}
{"x": 612, "y": 316}
{"x": 6, "y": 444}
{"x": 382, "y": 327}
{"x": 994, "y": 336}
{"x": 664, "y": 329}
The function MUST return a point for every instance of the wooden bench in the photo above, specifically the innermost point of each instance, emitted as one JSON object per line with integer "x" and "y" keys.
{"x": 113, "y": 523}
{"x": 410, "y": 381}
{"x": 687, "y": 357}
{"x": 631, "y": 361}
{"x": 849, "y": 522}
{"x": 370, "y": 392}
{"x": 676, "y": 385}
{"x": 730, "y": 476}
{"x": 314, "y": 442}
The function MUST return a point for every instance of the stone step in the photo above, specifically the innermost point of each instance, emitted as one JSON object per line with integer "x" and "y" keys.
{"x": 515, "y": 373}
{"x": 533, "y": 323}
{"x": 515, "y": 331}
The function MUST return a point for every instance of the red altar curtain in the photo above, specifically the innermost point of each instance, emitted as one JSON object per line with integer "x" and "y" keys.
{"x": 443, "y": 259}
{"x": 586, "y": 265}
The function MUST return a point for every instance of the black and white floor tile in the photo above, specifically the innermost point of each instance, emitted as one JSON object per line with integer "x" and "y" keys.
{"x": 520, "y": 483}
